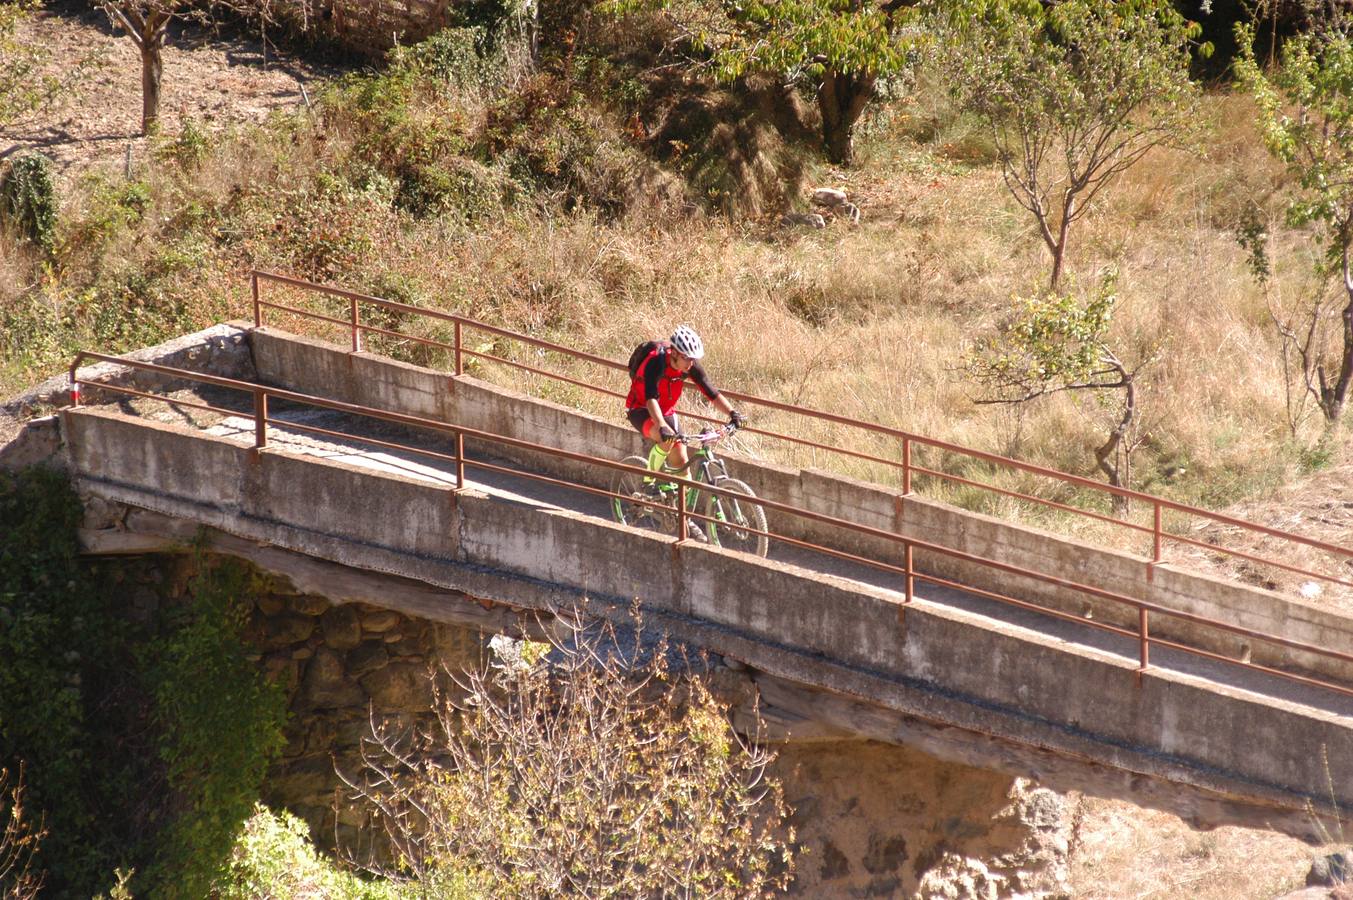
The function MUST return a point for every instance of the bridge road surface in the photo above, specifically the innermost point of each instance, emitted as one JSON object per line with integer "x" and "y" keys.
{"x": 543, "y": 495}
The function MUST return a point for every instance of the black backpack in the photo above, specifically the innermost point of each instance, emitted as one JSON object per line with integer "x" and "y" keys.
{"x": 641, "y": 353}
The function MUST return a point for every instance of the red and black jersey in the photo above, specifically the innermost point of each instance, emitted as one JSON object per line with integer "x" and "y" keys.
{"x": 655, "y": 379}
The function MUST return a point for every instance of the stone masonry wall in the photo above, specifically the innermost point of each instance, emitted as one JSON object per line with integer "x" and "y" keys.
{"x": 342, "y": 665}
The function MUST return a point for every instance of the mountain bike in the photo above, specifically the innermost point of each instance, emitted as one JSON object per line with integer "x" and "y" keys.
{"x": 648, "y": 500}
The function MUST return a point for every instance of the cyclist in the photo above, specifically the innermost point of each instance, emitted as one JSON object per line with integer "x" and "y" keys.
{"x": 655, "y": 389}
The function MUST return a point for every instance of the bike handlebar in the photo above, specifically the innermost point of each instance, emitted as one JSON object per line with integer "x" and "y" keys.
{"x": 705, "y": 438}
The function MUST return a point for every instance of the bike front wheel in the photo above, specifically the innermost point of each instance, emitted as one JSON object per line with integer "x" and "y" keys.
{"x": 739, "y": 522}
{"x": 631, "y": 489}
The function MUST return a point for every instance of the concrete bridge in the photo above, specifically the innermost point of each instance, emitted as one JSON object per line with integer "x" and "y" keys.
{"x": 835, "y": 648}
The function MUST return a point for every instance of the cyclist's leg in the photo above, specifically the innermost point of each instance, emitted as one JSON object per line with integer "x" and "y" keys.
{"x": 657, "y": 454}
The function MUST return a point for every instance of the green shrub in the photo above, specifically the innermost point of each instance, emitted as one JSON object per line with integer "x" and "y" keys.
{"x": 274, "y": 858}
{"x": 28, "y": 199}
{"x": 456, "y": 56}
{"x": 189, "y": 148}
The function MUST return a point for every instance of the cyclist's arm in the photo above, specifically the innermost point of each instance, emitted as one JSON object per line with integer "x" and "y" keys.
{"x": 656, "y": 412}
{"x": 702, "y": 382}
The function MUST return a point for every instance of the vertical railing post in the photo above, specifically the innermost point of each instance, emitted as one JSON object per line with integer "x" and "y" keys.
{"x": 460, "y": 369}
{"x": 260, "y": 419}
{"x": 911, "y": 572}
{"x": 460, "y": 461}
{"x": 906, "y": 465}
{"x": 356, "y": 331}
{"x": 1155, "y": 542}
{"x": 258, "y": 307}
{"x": 1143, "y": 628}
{"x": 681, "y": 512}
{"x": 74, "y": 383}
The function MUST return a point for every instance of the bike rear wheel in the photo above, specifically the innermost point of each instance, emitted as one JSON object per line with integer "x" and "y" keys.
{"x": 736, "y": 519}
{"x": 631, "y": 489}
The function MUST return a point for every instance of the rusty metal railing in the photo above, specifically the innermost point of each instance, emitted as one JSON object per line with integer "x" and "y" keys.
{"x": 262, "y": 395}
{"x": 907, "y": 441}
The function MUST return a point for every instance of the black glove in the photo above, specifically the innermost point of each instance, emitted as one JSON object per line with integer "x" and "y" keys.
{"x": 736, "y": 419}
{"x": 666, "y": 433}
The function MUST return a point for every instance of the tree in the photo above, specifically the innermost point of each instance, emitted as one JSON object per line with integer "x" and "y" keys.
{"x": 1075, "y": 92}
{"x": 147, "y": 22}
{"x": 1306, "y": 113}
{"x": 1058, "y": 343}
{"x": 842, "y": 49}
{"x": 592, "y": 770}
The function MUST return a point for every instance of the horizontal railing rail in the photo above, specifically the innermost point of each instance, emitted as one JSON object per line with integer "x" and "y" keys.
{"x": 908, "y": 441}
{"x": 263, "y": 395}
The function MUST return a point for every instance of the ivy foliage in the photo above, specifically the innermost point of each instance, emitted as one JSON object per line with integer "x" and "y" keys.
{"x": 143, "y": 745}
{"x": 58, "y": 636}
{"x": 219, "y": 726}
{"x": 28, "y": 199}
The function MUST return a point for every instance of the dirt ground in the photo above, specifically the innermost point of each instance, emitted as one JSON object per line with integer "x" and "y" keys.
{"x": 217, "y": 79}
{"x": 214, "y": 78}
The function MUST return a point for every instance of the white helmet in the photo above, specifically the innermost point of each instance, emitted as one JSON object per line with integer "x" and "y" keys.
{"x": 686, "y": 342}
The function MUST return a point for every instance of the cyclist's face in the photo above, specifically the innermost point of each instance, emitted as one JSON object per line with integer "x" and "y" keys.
{"x": 681, "y": 362}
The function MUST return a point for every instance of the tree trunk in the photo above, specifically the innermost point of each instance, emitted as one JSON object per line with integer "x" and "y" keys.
{"x": 1059, "y": 247}
{"x": 1335, "y": 397}
{"x": 841, "y": 99}
{"x": 152, "y": 66}
{"x": 1120, "y": 476}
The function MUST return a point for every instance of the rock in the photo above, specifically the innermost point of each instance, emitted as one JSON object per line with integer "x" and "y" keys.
{"x": 286, "y": 629}
{"x": 886, "y": 855}
{"x": 1310, "y": 893}
{"x": 810, "y": 220}
{"x": 380, "y": 621}
{"x": 366, "y": 659}
{"x": 309, "y": 605}
{"x": 399, "y": 686}
{"x": 1331, "y": 871}
{"x": 281, "y": 668}
{"x": 830, "y": 197}
{"x": 458, "y": 647}
{"x": 270, "y": 604}
{"x": 325, "y": 685}
{"x": 342, "y": 628}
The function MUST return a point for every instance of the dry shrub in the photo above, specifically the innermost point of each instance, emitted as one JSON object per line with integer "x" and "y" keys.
{"x": 20, "y": 836}
{"x": 592, "y": 766}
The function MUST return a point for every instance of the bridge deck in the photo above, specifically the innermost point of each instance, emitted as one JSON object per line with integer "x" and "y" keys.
{"x": 354, "y": 452}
